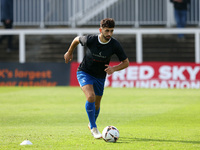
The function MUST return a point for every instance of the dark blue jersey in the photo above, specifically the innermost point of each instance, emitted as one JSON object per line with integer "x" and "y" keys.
{"x": 98, "y": 54}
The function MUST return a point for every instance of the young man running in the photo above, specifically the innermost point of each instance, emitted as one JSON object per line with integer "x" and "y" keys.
{"x": 92, "y": 71}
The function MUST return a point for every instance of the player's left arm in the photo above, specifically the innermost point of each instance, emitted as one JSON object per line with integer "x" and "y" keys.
{"x": 111, "y": 69}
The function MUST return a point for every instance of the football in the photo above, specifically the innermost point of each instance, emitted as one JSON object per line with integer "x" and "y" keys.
{"x": 110, "y": 134}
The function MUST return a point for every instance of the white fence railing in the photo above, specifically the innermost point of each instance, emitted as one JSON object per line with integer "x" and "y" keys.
{"x": 81, "y": 31}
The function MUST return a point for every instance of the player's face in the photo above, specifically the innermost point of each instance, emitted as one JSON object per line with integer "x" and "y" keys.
{"x": 107, "y": 33}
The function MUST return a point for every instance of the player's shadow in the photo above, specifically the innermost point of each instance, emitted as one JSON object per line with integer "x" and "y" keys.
{"x": 130, "y": 140}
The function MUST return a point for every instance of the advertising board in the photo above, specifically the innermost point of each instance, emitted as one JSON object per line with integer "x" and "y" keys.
{"x": 34, "y": 74}
{"x": 151, "y": 75}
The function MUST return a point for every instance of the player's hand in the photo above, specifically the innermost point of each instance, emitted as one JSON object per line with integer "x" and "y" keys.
{"x": 109, "y": 70}
{"x": 68, "y": 57}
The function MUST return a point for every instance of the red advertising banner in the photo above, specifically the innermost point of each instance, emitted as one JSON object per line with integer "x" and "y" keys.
{"x": 151, "y": 75}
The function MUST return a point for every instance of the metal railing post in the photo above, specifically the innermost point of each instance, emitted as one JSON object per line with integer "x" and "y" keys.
{"x": 139, "y": 56}
{"x": 80, "y": 51}
{"x": 73, "y": 23}
{"x": 168, "y": 14}
{"x": 22, "y": 53}
{"x": 136, "y": 14}
{"x": 42, "y": 14}
{"x": 197, "y": 48}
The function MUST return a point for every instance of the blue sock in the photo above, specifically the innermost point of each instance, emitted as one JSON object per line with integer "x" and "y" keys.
{"x": 97, "y": 113}
{"x": 90, "y": 109}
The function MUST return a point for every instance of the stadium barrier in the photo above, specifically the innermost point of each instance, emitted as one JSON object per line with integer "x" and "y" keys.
{"x": 123, "y": 31}
{"x": 163, "y": 75}
{"x": 151, "y": 75}
{"x": 144, "y": 75}
{"x": 34, "y": 74}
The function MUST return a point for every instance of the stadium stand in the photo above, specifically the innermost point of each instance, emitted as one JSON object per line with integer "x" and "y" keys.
{"x": 127, "y": 13}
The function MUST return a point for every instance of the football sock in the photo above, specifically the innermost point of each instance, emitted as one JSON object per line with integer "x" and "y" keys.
{"x": 97, "y": 113}
{"x": 90, "y": 109}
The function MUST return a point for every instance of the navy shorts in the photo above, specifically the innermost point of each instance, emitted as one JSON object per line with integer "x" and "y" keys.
{"x": 98, "y": 83}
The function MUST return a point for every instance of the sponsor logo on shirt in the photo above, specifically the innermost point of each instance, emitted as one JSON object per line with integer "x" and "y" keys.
{"x": 99, "y": 55}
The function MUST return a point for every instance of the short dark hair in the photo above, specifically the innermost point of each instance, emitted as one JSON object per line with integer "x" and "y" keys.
{"x": 107, "y": 22}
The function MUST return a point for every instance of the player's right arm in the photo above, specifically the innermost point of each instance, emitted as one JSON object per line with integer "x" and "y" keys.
{"x": 68, "y": 56}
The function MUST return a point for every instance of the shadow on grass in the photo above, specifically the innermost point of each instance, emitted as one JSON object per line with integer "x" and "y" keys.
{"x": 130, "y": 140}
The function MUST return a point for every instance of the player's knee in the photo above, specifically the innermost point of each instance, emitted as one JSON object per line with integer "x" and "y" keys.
{"x": 91, "y": 97}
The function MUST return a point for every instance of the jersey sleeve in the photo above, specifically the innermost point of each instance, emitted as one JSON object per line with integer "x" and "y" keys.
{"x": 86, "y": 40}
{"x": 83, "y": 40}
{"x": 119, "y": 51}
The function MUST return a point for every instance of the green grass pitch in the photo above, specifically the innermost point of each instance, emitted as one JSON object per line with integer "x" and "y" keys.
{"x": 55, "y": 118}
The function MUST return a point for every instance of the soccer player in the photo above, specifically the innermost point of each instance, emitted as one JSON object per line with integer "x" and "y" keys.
{"x": 92, "y": 70}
